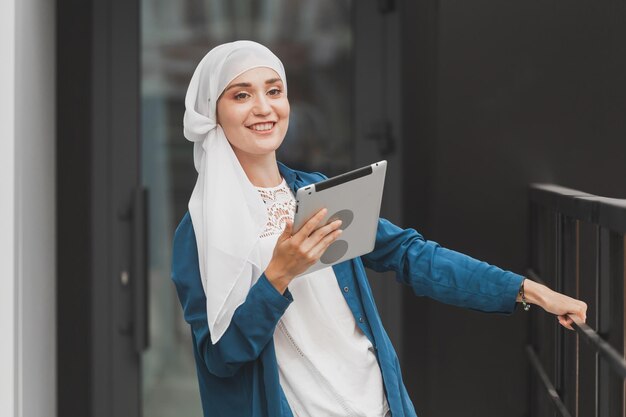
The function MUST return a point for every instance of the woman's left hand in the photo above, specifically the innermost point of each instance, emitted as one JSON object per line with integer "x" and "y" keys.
{"x": 567, "y": 309}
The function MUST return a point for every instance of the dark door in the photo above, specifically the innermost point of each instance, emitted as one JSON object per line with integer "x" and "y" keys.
{"x": 101, "y": 210}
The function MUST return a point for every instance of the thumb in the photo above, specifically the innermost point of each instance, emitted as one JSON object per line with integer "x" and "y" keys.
{"x": 287, "y": 232}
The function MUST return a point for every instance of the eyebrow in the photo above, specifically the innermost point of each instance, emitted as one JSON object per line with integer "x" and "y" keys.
{"x": 267, "y": 82}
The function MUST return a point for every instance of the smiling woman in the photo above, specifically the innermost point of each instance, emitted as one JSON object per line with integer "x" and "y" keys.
{"x": 265, "y": 342}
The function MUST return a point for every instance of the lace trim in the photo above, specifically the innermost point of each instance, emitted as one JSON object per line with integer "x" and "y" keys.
{"x": 281, "y": 206}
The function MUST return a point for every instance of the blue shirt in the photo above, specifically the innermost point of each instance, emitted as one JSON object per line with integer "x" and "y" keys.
{"x": 238, "y": 376}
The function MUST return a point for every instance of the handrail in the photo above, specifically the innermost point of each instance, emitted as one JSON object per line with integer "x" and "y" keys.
{"x": 612, "y": 356}
{"x": 606, "y": 212}
{"x": 552, "y": 392}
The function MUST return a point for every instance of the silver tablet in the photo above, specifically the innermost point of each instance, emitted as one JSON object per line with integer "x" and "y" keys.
{"x": 353, "y": 197}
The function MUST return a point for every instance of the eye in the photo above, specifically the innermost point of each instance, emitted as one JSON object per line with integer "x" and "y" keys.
{"x": 275, "y": 92}
{"x": 240, "y": 96}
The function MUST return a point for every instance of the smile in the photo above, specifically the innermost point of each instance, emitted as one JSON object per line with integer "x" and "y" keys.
{"x": 262, "y": 127}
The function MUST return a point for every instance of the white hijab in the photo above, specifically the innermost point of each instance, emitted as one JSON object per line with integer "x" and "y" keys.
{"x": 226, "y": 210}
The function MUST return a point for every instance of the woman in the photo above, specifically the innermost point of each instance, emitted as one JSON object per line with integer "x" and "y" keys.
{"x": 267, "y": 344}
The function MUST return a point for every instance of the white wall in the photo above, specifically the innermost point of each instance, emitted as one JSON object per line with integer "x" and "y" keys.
{"x": 7, "y": 208}
{"x": 27, "y": 208}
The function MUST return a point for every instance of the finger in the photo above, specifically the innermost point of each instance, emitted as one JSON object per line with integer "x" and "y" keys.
{"x": 310, "y": 225}
{"x": 287, "y": 231}
{"x": 583, "y": 312}
{"x": 566, "y": 322}
{"x": 579, "y": 317}
{"x": 562, "y": 321}
{"x": 579, "y": 313}
{"x": 326, "y": 229}
{"x": 319, "y": 234}
{"x": 318, "y": 250}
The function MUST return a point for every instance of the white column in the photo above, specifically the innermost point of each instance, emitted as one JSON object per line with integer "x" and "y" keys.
{"x": 27, "y": 209}
{"x": 7, "y": 210}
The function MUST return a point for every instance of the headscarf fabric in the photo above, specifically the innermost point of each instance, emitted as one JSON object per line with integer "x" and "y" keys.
{"x": 227, "y": 213}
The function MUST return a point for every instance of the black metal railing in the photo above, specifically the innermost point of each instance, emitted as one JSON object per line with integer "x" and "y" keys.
{"x": 578, "y": 247}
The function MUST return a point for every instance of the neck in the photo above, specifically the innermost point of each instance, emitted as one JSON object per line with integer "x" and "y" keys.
{"x": 262, "y": 170}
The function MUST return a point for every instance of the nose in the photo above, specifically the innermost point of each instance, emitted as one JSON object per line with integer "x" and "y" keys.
{"x": 262, "y": 106}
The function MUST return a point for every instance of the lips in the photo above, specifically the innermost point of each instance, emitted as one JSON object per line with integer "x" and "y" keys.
{"x": 262, "y": 127}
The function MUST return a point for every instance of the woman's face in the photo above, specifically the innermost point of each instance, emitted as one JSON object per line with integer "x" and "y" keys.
{"x": 253, "y": 110}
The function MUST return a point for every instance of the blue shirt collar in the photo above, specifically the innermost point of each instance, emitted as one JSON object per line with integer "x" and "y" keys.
{"x": 292, "y": 177}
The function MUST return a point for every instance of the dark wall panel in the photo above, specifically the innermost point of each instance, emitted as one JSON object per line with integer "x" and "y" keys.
{"x": 519, "y": 92}
{"x": 73, "y": 208}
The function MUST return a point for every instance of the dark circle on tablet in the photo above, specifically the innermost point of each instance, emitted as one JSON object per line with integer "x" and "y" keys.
{"x": 334, "y": 252}
{"x": 346, "y": 217}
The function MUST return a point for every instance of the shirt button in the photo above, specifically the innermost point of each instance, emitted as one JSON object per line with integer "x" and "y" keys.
{"x": 346, "y": 289}
{"x": 361, "y": 320}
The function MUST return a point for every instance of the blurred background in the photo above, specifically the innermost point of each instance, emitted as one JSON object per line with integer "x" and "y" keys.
{"x": 469, "y": 101}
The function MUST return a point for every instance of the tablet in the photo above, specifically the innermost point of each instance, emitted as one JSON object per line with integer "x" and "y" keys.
{"x": 354, "y": 198}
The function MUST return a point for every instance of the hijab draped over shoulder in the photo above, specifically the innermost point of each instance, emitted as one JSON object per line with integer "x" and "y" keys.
{"x": 226, "y": 210}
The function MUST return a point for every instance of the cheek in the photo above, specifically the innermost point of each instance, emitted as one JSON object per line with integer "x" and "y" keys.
{"x": 220, "y": 112}
{"x": 284, "y": 109}
{"x": 229, "y": 116}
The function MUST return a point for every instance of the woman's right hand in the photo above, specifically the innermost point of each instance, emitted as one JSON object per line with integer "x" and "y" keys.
{"x": 294, "y": 254}
{"x": 567, "y": 309}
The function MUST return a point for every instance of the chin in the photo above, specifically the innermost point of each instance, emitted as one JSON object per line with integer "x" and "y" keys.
{"x": 258, "y": 150}
{"x": 263, "y": 146}
{"x": 268, "y": 149}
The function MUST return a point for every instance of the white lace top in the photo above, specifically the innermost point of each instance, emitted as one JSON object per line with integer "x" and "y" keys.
{"x": 280, "y": 205}
{"x": 326, "y": 364}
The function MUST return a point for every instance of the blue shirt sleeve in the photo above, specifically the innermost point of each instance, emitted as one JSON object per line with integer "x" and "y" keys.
{"x": 252, "y": 325}
{"x": 442, "y": 274}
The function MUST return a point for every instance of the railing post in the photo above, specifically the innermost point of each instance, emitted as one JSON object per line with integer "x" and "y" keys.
{"x": 558, "y": 286}
{"x": 604, "y": 322}
{"x": 567, "y": 357}
{"x": 588, "y": 291}
{"x": 616, "y": 326}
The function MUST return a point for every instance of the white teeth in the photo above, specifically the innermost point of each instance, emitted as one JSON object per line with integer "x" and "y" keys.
{"x": 262, "y": 126}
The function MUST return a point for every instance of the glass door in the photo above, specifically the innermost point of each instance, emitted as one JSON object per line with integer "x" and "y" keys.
{"x": 314, "y": 39}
